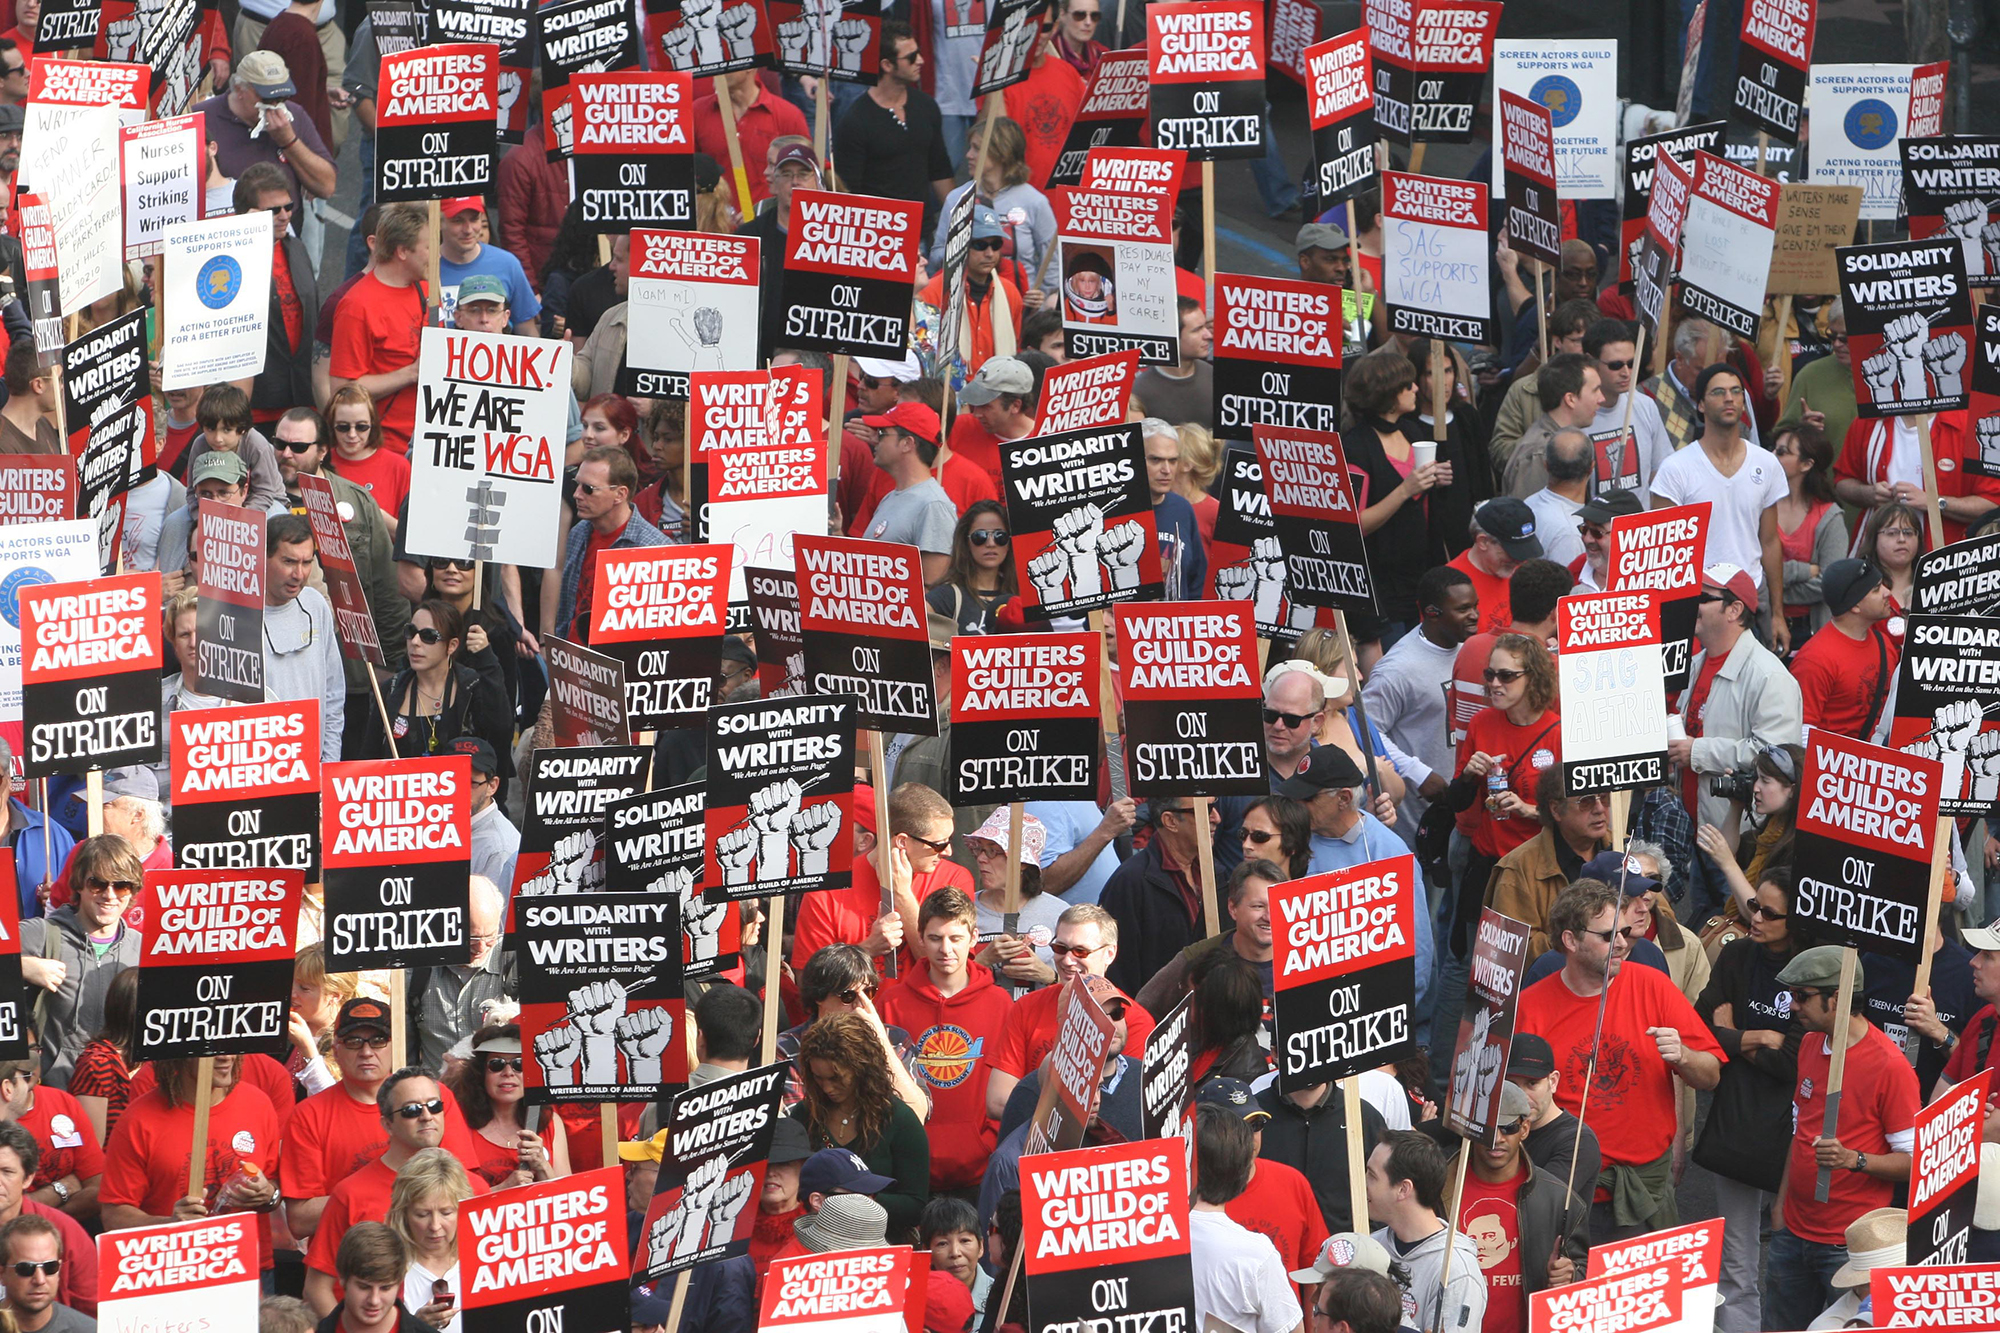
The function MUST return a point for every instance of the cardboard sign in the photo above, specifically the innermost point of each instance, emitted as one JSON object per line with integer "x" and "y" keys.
{"x": 395, "y": 840}
{"x": 632, "y": 147}
{"x": 1909, "y": 323}
{"x": 1867, "y": 817}
{"x": 1612, "y": 692}
{"x": 1084, "y": 1035}
{"x": 1949, "y": 1296}
{"x": 1434, "y": 257}
{"x": 1771, "y": 64}
{"x": 1681, "y": 145}
{"x": 850, "y": 264}
{"x": 569, "y": 789}
{"x": 1111, "y": 115}
{"x": 1317, "y": 519}
{"x": 1528, "y": 172}
{"x": 246, "y": 785}
{"x": 1660, "y": 553}
{"x": 1345, "y": 970}
{"x": 1486, "y": 1027}
{"x": 660, "y": 611}
{"x": 1659, "y": 248}
{"x": 1187, "y": 672}
{"x": 218, "y": 300}
{"x": 704, "y": 1204}
{"x": 1858, "y": 113}
{"x": 215, "y": 971}
{"x": 1732, "y": 216}
{"x": 1578, "y": 83}
{"x": 828, "y": 38}
{"x": 14, "y": 1013}
{"x": 581, "y": 37}
{"x": 1813, "y": 221}
{"x": 862, "y": 619}
{"x": 1277, "y": 355}
{"x": 1024, "y": 718}
{"x": 774, "y": 615}
{"x": 486, "y": 456}
{"x": 60, "y": 90}
{"x": 1946, "y": 684}
{"x": 1086, "y": 395}
{"x": 1114, "y": 238}
{"x": 180, "y": 1274}
{"x": 229, "y": 617}
{"x": 694, "y": 298}
{"x": 1944, "y": 1174}
{"x": 586, "y": 694}
{"x": 759, "y": 464}
{"x": 76, "y": 166}
{"x": 1960, "y": 579}
{"x": 551, "y": 1255}
{"x": 163, "y": 170}
{"x": 508, "y": 23}
{"x": 848, "y": 1291}
{"x": 90, "y": 669}
{"x": 108, "y": 406}
{"x": 1084, "y": 534}
{"x": 1106, "y": 1229}
{"x": 707, "y": 37}
{"x": 780, "y": 805}
{"x": 1695, "y": 1250}
{"x": 1166, "y": 1101}
{"x": 436, "y": 123}
{"x": 352, "y": 621}
{"x": 1205, "y": 62}
{"x": 38, "y": 255}
{"x": 1013, "y": 27}
{"x": 601, "y": 1001}
{"x": 37, "y": 488}
{"x": 1951, "y": 187}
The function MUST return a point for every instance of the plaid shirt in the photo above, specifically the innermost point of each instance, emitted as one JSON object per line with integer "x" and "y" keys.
{"x": 1677, "y": 411}
{"x": 638, "y": 532}
{"x": 1661, "y": 818}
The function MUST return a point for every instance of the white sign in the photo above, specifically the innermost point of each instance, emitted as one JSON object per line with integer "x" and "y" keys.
{"x": 77, "y": 164}
{"x": 1613, "y": 681}
{"x": 32, "y": 554}
{"x": 1578, "y": 83}
{"x": 218, "y": 300}
{"x": 1858, "y": 113}
{"x": 486, "y": 457}
{"x": 1434, "y": 253}
{"x": 162, "y": 166}
{"x": 693, "y": 307}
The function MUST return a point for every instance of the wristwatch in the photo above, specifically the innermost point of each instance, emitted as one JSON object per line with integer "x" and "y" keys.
{"x": 1860, "y": 1163}
{"x": 62, "y": 1191}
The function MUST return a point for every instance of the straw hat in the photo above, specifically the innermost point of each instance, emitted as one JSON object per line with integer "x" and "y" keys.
{"x": 844, "y": 1222}
{"x": 1874, "y": 1240}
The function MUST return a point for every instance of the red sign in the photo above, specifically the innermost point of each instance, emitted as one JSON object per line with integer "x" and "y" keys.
{"x": 36, "y": 488}
{"x": 1093, "y": 1207}
{"x": 180, "y": 1274}
{"x": 853, "y": 236}
{"x": 1637, "y": 1300}
{"x": 857, "y": 1291}
{"x": 752, "y": 409}
{"x": 1962, "y": 1296}
{"x": 1944, "y": 1172}
{"x": 397, "y": 811}
{"x": 1172, "y": 651}
{"x": 351, "y": 618}
{"x": 1666, "y": 206}
{"x": 673, "y": 592}
{"x": 863, "y": 588}
{"x": 554, "y": 1246}
{"x": 1927, "y": 84}
{"x": 1337, "y": 78}
{"x": 1659, "y": 551}
{"x": 1086, "y": 394}
{"x": 90, "y": 83}
{"x": 1696, "y": 1247}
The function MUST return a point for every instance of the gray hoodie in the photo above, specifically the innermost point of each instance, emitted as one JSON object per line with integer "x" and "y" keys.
{"x": 1466, "y": 1308}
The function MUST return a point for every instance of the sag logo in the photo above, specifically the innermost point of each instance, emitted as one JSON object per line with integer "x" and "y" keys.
{"x": 1871, "y": 123}
{"x": 218, "y": 282}
{"x": 10, "y": 591}
{"x": 1560, "y": 95}
{"x": 947, "y": 1054}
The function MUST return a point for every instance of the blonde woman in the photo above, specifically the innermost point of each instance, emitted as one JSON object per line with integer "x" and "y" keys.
{"x": 1201, "y": 461}
{"x": 317, "y": 995}
{"x": 1024, "y": 211}
{"x": 423, "y": 1210}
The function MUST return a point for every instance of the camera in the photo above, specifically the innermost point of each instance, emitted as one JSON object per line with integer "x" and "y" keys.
{"x": 1734, "y": 785}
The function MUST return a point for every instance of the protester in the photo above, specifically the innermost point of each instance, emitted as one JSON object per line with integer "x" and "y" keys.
{"x": 1239, "y": 1278}
{"x": 1891, "y": 540}
{"x": 1406, "y": 1197}
{"x": 1844, "y": 672}
{"x": 76, "y": 1285}
{"x": 102, "y": 1079}
{"x": 891, "y": 141}
{"x": 606, "y": 481}
{"x": 841, "y": 979}
{"x": 423, "y": 1212}
{"x": 1527, "y": 881}
{"x": 75, "y": 951}
{"x": 31, "y": 1262}
{"x": 1557, "y": 1142}
{"x": 381, "y": 316}
{"x": 1570, "y": 391}
{"x": 1186, "y": 393}
{"x": 979, "y": 576}
{"x": 849, "y": 1104}
{"x": 1515, "y": 1214}
{"x": 463, "y": 255}
{"x": 447, "y": 1002}
{"x": 452, "y": 688}
{"x": 72, "y": 1157}
{"x": 1247, "y": 897}
{"x": 372, "y": 1263}
{"x": 1403, "y": 541}
{"x": 1812, "y": 529}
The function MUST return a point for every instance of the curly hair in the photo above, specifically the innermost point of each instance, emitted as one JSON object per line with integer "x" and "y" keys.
{"x": 468, "y": 1081}
{"x": 1536, "y": 662}
{"x": 846, "y": 1040}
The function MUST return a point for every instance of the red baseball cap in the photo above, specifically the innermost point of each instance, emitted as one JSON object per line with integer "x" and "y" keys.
{"x": 471, "y": 203}
{"x": 1734, "y": 580}
{"x": 909, "y": 418}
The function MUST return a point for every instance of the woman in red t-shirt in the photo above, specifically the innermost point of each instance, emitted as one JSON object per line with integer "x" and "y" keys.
{"x": 358, "y": 455}
{"x": 1891, "y": 540}
{"x": 489, "y": 1089}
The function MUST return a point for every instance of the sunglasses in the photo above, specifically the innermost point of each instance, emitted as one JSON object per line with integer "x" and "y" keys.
{"x": 424, "y": 634}
{"x": 499, "y": 1064}
{"x": 418, "y": 1110}
{"x": 352, "y": 427}
{"x": 853, "y": 994}
{"x": 1258, "y": 836}
{"x": 1293, "y": 720}
{"x": 295, "y": 446}
{"x": 1800, "y": 994}
{"x": 282, "y": 208}
{"x": 365, "y": 1043}
{"x": 940, "y": 846}
{"x": 1062, "y": 950}
{"x": 585, "y": 488}
{"x": 1085, "y": 15}
{"x": 114, "y": 885}
{"x": 1608, "y": 935}
{"x": 1760, "y": 910}
{"x": 28, "y": 1267}
{"x": 1617, "y": 365}
{"x": 1513, "y": 1128}
{"x": 1837, "y": 338}
{"x": 988, "y": 537}
{"x": 1182, "y": 810}
{"x": 1501, "y": 675}
{"x": 1708, "y": 597}
{"x": 447, "y": 562}
{"x": 990, "y": 243}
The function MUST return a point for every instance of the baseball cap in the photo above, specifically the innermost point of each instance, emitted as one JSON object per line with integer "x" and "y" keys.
{"x": 12, "y": 118}
{"x": 833, "y": 1170}
{"x": 650, "y": 1308}
{"x": 1515, "y": 1103}
{"x": 1845, "y": 582}
{"x": 479, "y": 750}
{"x": 1530, "y": 1057}
{"x": 947, "y": 1304}
{"x": 910, "y": 418}
{"x": 267, "y": 75}
{"x": 905, "y": 371}
{"x": 1818, "y": 966}
{"x": 796, "y": 152}
{"x": 360, "y": 1014}
{"x": 137, "y": 780}
{"x": 1321, "y": 236}
{"x": 216, "y": 465}
{"x": 1734, "y": 580}
{"x": 1511, "y": 523}
{"x": 469, "y": 203}
{"x": 1232, "y": 1094}
{"x": 986, "y": 225}
{"x": 482, "y": 287}
{"x": 1609, "y": 504}
{"x": 1981, "y": 940}
{"x": 1345, "y": 1249}
{"x": 1325, "y": 768}
{"x": 1616, "y": 868}
{"x": 1000, "y": 375}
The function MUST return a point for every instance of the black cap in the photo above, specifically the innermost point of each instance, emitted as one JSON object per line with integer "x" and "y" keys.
{"x": 1530, "y": 1057}
{"x": 1845, "y": 582}
{"x": 1607, "y": 505}
{"x": 361, "y": 1014}
{"x": 479, "y": 751}
{"x": 1511, "y": 523}
{"x": 1324, "y": 768}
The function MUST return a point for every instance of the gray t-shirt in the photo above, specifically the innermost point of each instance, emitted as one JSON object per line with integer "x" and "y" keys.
{"x": 922, "y": 516}
{"x": 62, "y": 1319}
{"x": 1178, "y": 401}
{"x": 958, "y": 37}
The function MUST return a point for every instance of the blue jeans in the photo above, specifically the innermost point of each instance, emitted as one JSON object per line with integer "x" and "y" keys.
{"x": 1279, "y": 191}
{"x": 1798, "y": 1279}
{"x": 357, "y": 244}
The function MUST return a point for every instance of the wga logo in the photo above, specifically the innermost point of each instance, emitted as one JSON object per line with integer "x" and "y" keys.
{"x": 1560, "y": 95}
{"x": 1870, "y": 124}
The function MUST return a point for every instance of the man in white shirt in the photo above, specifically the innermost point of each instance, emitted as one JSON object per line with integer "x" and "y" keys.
{"x": 1628, "y": 450}
{"x": 1238, "y": 1277}
{"x": 1402, "y": 692}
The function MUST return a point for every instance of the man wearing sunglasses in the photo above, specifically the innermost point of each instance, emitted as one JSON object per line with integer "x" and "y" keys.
{"x": 1529, "y": 1231}
{"x": 31, "y": 1264}
{"x": 1626, "y": 457}
{"x": 1085, "y": 945}
{"x": 1528, "y": 880}
{"x": 20, "y": 1160}
{"x": 286, "y": 378}
{"x": 301, "y": 647}
{"x": 606, "y": 481}
{"x": 1822, "y": 393}
{"x": 992, "y": 297}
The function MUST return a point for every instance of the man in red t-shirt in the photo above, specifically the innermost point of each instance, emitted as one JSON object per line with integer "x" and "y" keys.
{"x": 920, "y": 828}
{"x": 72, "y": 1161}
{"x": 1869, "y": 1154}
{"x": 1976, "y": 1048}
{"x": 375, "y": 343}
{"x": 1845, "y": 669}
{"x": 1086, "y": 941}
{"x": 1503, "y": 535}
{"x": 761, "y": 116}
{"x": 1880, "y": 460}
{"x": 19, "y": 1160}
{"x": 1516, "y": 1215}
{"x": 999, "y": 405}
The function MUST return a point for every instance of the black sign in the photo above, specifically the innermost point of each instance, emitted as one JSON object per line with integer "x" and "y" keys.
{"x": 707, "y": 37}
{"x": 1962, "y": 579}
{"x": 581, "y": 37}
{"x": 652, "y": 837}
{"x": 780, "y": 811}
{"x": 601, "y": 1003}
{"x": 1187, "y": 672}
{"x": 1318, "y": 521}
{"x": 632, "y": 140}
{"x": 774, "y": 614}
{"x": 90, "y": 674}
{"x": 215, "y": 970}
{"x": 704, "y": 1204}
{"x": 1867, "y": 820}
{"x": 1345, "y": 969}
{"x": 1277, "y": 355}
{"x": 1025, "y": 718}
{"x": 1909, "y": 325}
{"x": 816, "y": 39}
{"x": 850, "y": 261}
{"x": 1486, "y": 1027}
{"x": 1341, "y": 112}
{"x": 1085, "y": 536}
{"x": 1771, "y": 64}
{"x": 957, "y": 245}
{"x": 1245, "y": 561}
{"x": 1951, "y": 189}
{"x": 1984, "y": 411}
{"x": 435, "y": 130}
{"x": 13, "y": 1013}
{"x": 510, "y": 25}
{"x": 171, "y": 43}
{"x": 395, "y": 838}
{"x": 569, "y": 790}
{"x": 1113, "y": 114}
{"x": 66, "y": 25}
{"x": 108, "y": 404}
{"x": 1206, "y": 65}
{"x": 246, "y": 787}
{"x": 1948, "y": 707}
{"x": 229, "y": 617}
{"x": 1166, "y": 1103}
{"x": 1682, "y": 144}
{"x": 586, "y": 694}
{"x": 398, "y": 25}
{"x": 1013, "y": 28}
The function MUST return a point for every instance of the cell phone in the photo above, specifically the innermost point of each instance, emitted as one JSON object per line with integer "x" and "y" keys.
{"x": 441, "y": 1293}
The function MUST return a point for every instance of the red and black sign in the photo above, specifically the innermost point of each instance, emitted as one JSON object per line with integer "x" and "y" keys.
{"x": 780, "y": 809}
{"x": 1205, "y": 61}
{"x": 1528, "y": 175}
{"x": 229, "y": 615}
{"x": 1909, "y": 325}
{"x": 1084, "y": 531}
{"x": 108, "y": 403}
{"x": 1245, "y": 561}
{"x": 38, "y": 258}
{"x": 1947, "y": 692}
{"x": 774, "y": 614}
{"x": 1106, "y": 1230}
{"x": 1960, "y": 579}
{"x": 586, "y": 695}
{"x": 1609, "y": 646}
{"x": 569, "y": 789}
{"x": 1660, "y": 553}
{"x": 1771, "y": 64}
{"x": 1013, "y": 30}
{"x": 707, "y": 37}
{"x": 1438, "y": 287}
{"x": 1277, "y": 355}
{"x": 215, "y": 973}
{"x": 1942, "y": 1296}
{"x": 1112, "y": 115}
{"x": 1187, "y": 672}
{"x": 1084, "y": 1039}
{"x": 90, "y": 674}
{"x": 1345, "y": 970}
{"x": 1024, "y": 718}
{"x": 1660, "y": 246}
{"x": 1166, "y": 1101}
{"x": 581, "y": 37}
{"x": 547, "y": 1256}
{"x": 820, "y": 1293}
{"x": 13, "y": 1013}
{"x": 1086, "y": 394}
{"x": 37, "y": 488}
{"x": 1944, "y": 1173}
{"x": 246, "y": 787}
{"x": 633, "y": 146}
{"x": 652, "y": 835}
{"x": 436, "y": 123}
{"x": 511, "y": 25}
{"x": 1681, "y": 144}
{"x": 66, "y": 25}
{"x": 1431, "y": 67}
{"x": 1867, "y": 818}
{"x": 601, "y": 1000}
{"x": 764, "y": 434}
{"x": 863, "y": 620}
{"x": 660, "y": 610}
{"x": 1951, "y": 188}
{"x": 818, "y": 39}
{"x": 1737, "y": 215}
{"x": 395, "y": 840}
{"x": 1317, "y": 518}
{"x": 704, "y": 292}
{"x": 1486, "y": 1028}
{"x": 352, "y": 620}
{"x": 1341, "y": 110}
{"x": 850, "y": 262}
{"x": 1983, "y": 411}
{"x": 704, "y": 1203}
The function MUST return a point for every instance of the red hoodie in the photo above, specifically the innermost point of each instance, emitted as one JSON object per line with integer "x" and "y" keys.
{"x": 956, "y": 1038}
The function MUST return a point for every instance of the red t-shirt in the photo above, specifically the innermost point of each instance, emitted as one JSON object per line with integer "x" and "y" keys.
{"x": 1704, "y": 681}
{"x": 1031, "y": 1032}
{"x": 1523, "y": 752}
{"x": 64, "y": 1134}
{"x": 1964, "y": 1061}
{"x": 259, "y": 1071}
{"x": 584, "y": 1126}
{"x": 174, "y": 446}
{"x": 977, "y": 444}
{"x": 384, "y": 474}
{"x": 1632, "y": 1106}
{"x": 1496, "y": 609}
{"x": 1839, "y": 677}
{"x": 289, "y": 308}
{"x": 1490, "y": 1215}
{"x": 361, "y": 1197}
{"x": 1279, "y": 1205}
{"x": 379, "y": 331}
{"x": 1865, "y": 456}
{"x": 1468, "y": 681}
{"x": 954, "y": 1037}
{"x": 146, "y": 1166}
{"x": 1878, "y": 1100}
{"x": 331, "y": 1136}
{"x": 765, "y": 119}
{"x": 845, "y": 916}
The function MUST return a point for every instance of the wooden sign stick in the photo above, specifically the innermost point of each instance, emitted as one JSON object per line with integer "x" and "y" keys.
{"x": 204, "y": 1091}
{"x": 1837, "y": 1071}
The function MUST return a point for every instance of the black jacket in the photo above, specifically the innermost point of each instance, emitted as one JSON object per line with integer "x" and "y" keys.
{"x": 286, "y": 379}
{"x": 1313, "y": 1141}
{"x": 1540, "y": 1216}
{"x": 771, "y": 277}
{"x": 474, "y": 705}
{"x": 1152, "y": 916}
{"x": 1747, "y": 1135}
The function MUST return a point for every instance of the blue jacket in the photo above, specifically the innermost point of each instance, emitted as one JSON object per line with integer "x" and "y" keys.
{"x": 1173, "y": 514}
{"x": 1378, "y": 843}
{"x": 33, "y": 868}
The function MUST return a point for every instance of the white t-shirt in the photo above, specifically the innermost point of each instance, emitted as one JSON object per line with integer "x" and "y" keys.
{"x": 1239, "y": 1278}
{"x": 417, "y": 1292}
{"x": 1385, "y": 1094}
{"x": 1737, "y": 503}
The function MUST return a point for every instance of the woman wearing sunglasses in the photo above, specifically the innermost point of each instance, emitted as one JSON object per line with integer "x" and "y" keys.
{"x": 358, "y": 455}
{"x": 423, "y": 1210}
{"x": 1078, "y": 24}
{"x": 490, "y": 628}
{"x": 489, "y": 1088}
{"x": 1774, "y": 809}
{"x": 1277, "y": 828}
{"x": 437, "y": 698}
{"x": 981, "y": 574}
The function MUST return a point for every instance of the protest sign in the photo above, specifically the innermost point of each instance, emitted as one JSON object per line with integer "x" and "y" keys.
{"x": 601, "y": 1001}
{"x": 1434, "y": 255}
{"x": 61, "y": 90}
{"x": 76, "y": 170}
{"x": 1681, "y": 144}
{"x": 1660, "y": 245}
{"x": 215, "y": 967}
{"x": 848, "y": 1291}
{"x": 1962, "y": 579}
{"x": 1731, "y": 219}
{"x": 1276, "y": 356}
{"x": 1909, "y": 325}
{"x": 509, "y": 24}
{"x": 1944, "y": 1173}
{"x": 1527, "y": 164}
{"x": 1946, "y": 686}
{"x": 14, "y": 1006}
{"x": 1486, "y": 1028}
{"x": 1393, "y": 86}
{"x": 1340, "y": 108}
{"x": 1578, "y": 83}
{"x": 850, "y": 263}
{"x": 1345, "y": 970}
{"x": 1771, "y": 64}
{"x": 1118, "y": 291}
{"x": 1612, "y": 692}
{"x": 1245, "y": 561}
{"x": 650, "y": 835}
{"x": 758, "y": 464}
{"x": 952, "y": 330}
{"x": 1695, "y": 1249}
{"x": 1187, "y": 672}
{"x": 1965, "y": 1296}
{"x": 1082, "y": 521}
{"x": 229, "y": 617}
{"x": 586, "y": 694}
{"x": 1087, "y": 394}
{"x": 181, "y": 1274}
{"x": 1951, "y": 187}
{"x": 1205, "y": 64}
{"x": 780, "y": 804}
{"x": 1111, "y": 115}
{"x": 246, "y": 786}
{"x": 38, "y": 258}
{"x": 31, "y": 554}
{"x": 66, "y": 25}
{"x": 704, "y": 1203}
{"x": 660, "y": 611}
{"x": 1983, "y": 411}
{"x": 581, "y": 37}
{"x": 1084, "y": 1040}
{"x": 173, "y": 44}
{"x": 108, "y": 407}
{"x": 1858, "y": 113}
{"x": 1926, "y": 118}
{"x": 218, "y": 300}
{"x": 163, "y": 170}
{"x": 632, "y": 146}
{"x": 1295, "y": 26}
{"x": 862, "y": 617}
{"x": 436, "y": 125}
{"x": 486, "y": 458}
{"x": 394, "y": 844}
{"x": 569, "y": 790}
{"x": 352, "y": 621}
{"x": 90, "y": 674}
{"x": 694, "y": 305}
{"x": 1166, "y": 1101}
{"x": 399, "y": 25}
{"x": 1646, "y": 1299}
{"x": 1660, "y": 553}
{"x": 1105, "y": 1235}
{"x": 547, "y": 1256}
{"x": 1866, "y": 826}
{"x": 1317, "y": 520}
{"x": 1024, "y": 718}
{"x": 820, "y": 38}
{"x": 1813, "y": 221}
{"x": 707, "y": 37}
{"x": 1012, "y": 29}
{"x": 1430, "y": 72}
{"x": 37, "y": 488}
{"x": 774, "y": 614}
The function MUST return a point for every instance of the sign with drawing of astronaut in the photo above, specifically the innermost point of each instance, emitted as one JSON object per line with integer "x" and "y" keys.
{"x": 1909, "y": 324}
{"x": 1114, "y": 241}
{"x": 839, "y": 38}
{"x": 705, "y": 37}
{"x": 1012, "y": 28}
{"x": 780, "y": 796}
{"x": 694, "y": 300}
{"x": 601, "y": 1001}
{"x": 704, "y": 1203}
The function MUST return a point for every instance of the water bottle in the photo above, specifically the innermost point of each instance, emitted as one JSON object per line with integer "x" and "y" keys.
{"x": 1496, "y": 781}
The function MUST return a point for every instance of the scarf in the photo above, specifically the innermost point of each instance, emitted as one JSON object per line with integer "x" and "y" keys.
{"x": 1001, "y": 315}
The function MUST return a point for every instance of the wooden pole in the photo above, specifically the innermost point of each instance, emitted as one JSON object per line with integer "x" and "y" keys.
{"x": 744, "y": 206}
{"x": 204, "y": 1091}
{"x": 1204, "y": 849}
{"x": 1208, "y": 232}
{"x": 1012, "y": 899}
{"x": 1357, "y": 1161}
{"x": 1353, "y": 278}
{"x": 834, "y": 429}
{"x": 1837, "y": 1071}
{"x": 93, "y": 790}
{"x": 1438, "y": 408}
{"x": 990, "y": 113}
{"x": 774, "y": 957}
{"x": 433, "y": 298}
{"x": 607, "y": 1123}
{"x": 1933, "y": 508}
{"x": 1417, "y": 158}
{"x": 1621, "y": 813}
{"x": 878, "y": 767}
{"x": 679, "y": 1302}
{"x": 1541, "y": 314}
{"x": 1781, "y": 360}
{"x": 820, "y": 115}
{"x": 381, "y": 706}
{"x": 1933, "y": 901}
{"x": 1451, "y": 1225}
{"x": 398, "y": 1022}
{"x": 1107, "y": 711}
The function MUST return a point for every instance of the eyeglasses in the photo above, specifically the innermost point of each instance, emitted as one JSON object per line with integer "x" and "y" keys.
{"x": 990, "y": 243}
{"x": 418, "y": 1110}
{"x": 1607, "y": 936}
{"x": 1501, "y": 675}
{"x": 1182, "y": 810}
{"x": 96, "y": 885}
{"x": 1258, "y": 836}
{"x": 1292, "y": 720}
{"x": 447, "y": 562}
{"x": 853, "y": 994}
{"x": 1061, "y": 950}
{"x": 424, "y": 633}
{"x": 1726, "y": 391}
{"x": 375, "y": 1043}
{"x": 1760, "y": 910}
{"x": 28, "y": 1267}
{"x": 352, "y": 427}
{"x": 1616, "y": 365}
{"x": 1837, "y": 338}
{"x": 988, "y": 537}
{"x": 500, "y": 1064}
{"x": 295, "y": 446}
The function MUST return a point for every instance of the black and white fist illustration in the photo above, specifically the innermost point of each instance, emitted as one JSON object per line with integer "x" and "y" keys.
{"x": 1912, "y": 365}
{"x": 585, "y": 1049}
{"x": 1987, "y": 431}
{"x": 1008, "y": 55}
{"x": 1964, "y": 221}
{"x": 705, "y": 338}
{"x": 1261, "y": 579}
{"x": 1983, "y": 762}
{"x": 1945, "y": 356}
{"x": 702, "y": 920}
{"x": 573, "y": 867}
{"x": 771, "y": 811}
{"x": 642, "y": 1037}
{"x": 706, "y": 1215}
{"x": 1954, "y": 726}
